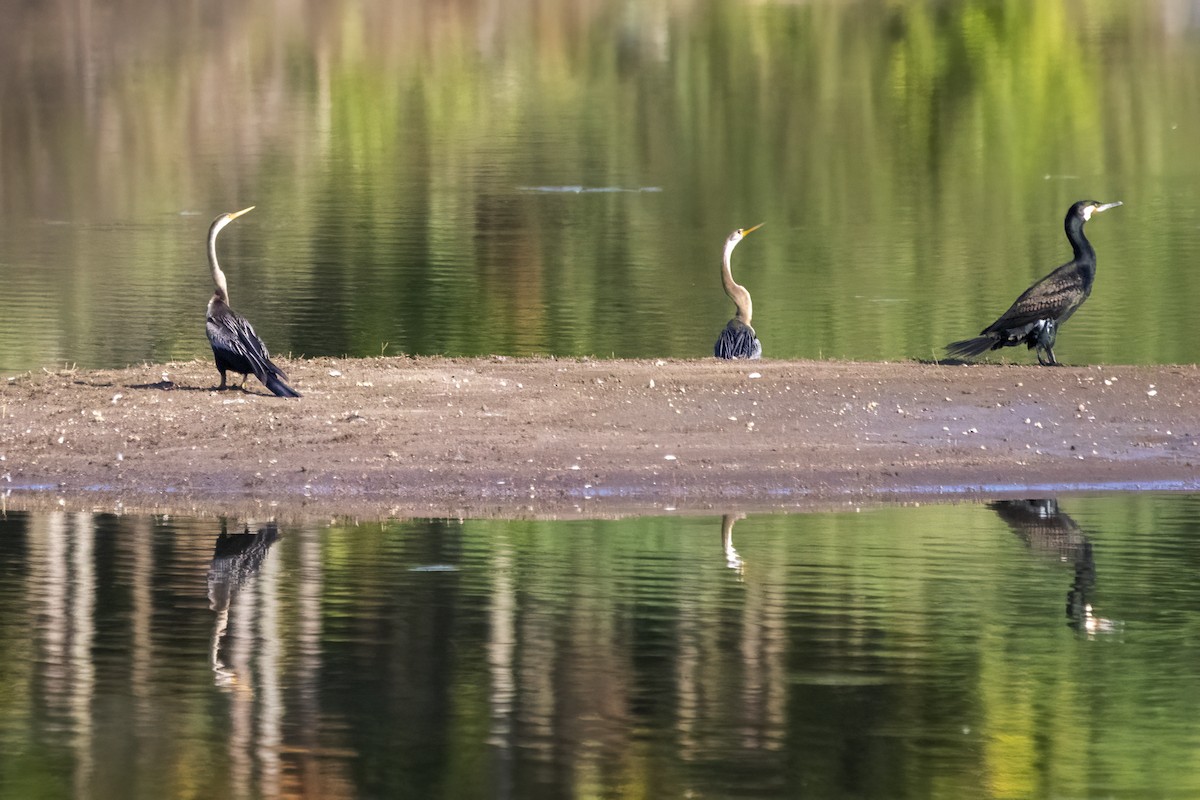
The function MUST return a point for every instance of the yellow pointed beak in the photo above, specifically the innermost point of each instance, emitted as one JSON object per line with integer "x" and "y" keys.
{"x": 237, "y": 214}
{"x": 751, "y": 230}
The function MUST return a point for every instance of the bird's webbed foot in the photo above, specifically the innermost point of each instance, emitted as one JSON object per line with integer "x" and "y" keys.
{"x": 1050, "y": 360}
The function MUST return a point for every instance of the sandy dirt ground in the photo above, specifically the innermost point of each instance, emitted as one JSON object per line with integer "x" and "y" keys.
{"x": 437, "y": 437}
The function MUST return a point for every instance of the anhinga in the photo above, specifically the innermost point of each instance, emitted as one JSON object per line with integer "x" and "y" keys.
{"x": 738, "y": 340}
{"x": 236, "y": 347}
{"x": 1035, "y": 317}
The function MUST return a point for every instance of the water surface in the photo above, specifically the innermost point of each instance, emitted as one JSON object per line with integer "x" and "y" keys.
{"x": 1017, "y": 649}
{"x": 469, "y": 178}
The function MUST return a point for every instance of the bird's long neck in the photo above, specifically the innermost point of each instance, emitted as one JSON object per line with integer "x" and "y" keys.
{"x": 218, "y": 276}
{"x": 1085, "y": 256}
{"x": 737, "y": 293}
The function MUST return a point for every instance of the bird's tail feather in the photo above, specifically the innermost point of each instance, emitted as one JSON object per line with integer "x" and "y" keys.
{"x": 969, "y": 348}
{"x": 278, "y": 387}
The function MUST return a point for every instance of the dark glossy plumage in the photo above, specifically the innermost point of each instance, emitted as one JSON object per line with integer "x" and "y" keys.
{"x": 1035, "y": 317}
{"x": 237, "y": 348}
{"x": 235, "y": 345}
{"x": 738, "y": 341}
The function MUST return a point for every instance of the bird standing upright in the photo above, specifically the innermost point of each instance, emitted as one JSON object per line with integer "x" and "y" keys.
{"x": 235, "y": 345}
{"x": 738, "y": 340}
{"x": 1035, "y": 317}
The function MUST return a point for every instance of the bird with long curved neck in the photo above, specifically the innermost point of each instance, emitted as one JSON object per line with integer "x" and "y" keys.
{"x": 235, "y": 345}
{"x": 1035, "y": 317}
{"x": 738, "y": 340}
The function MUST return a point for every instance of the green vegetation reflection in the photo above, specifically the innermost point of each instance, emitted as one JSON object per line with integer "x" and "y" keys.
{"x": 903, "y": 652}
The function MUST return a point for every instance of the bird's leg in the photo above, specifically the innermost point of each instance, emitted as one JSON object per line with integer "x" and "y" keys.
{"x": 1051, "y": 337}
{"x": 222, "y": 387}
{"x": 243, "y": 385}
{"x": 1047, "y": 333}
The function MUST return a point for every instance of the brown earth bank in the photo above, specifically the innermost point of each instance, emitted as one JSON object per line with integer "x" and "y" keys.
{"x": 520, "y": 437}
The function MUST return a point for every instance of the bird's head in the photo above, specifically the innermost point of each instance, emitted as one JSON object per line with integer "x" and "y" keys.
{"x": 1085, "y": 208}
{"x": 225, "y": 219}
{"x": 741, "y": 233}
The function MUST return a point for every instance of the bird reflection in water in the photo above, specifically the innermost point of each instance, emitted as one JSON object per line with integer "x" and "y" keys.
{"x": 1047, "y": 529}
{"x": 732, "y": 559}
{"x": 236, "y": 560}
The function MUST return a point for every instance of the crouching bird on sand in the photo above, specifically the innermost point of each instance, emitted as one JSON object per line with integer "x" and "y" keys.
{"x": 235, "y": 345}
{"x": 1035, "y": 317}
{"x": 738, "y": 340}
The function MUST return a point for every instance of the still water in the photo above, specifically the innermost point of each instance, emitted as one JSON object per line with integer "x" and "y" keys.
{"x": 529, "y": 177}
{"x": 1016, "y": 649}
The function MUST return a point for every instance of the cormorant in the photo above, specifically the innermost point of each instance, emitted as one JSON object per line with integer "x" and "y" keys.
{"x": 236, "y": 347}
{"x": 738, "y": 340}
{"x": 1035, "y": 317}
{"x": 1047, "y": 529}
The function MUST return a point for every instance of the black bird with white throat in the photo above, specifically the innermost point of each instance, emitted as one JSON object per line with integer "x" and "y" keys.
{"x": 235, "y": 345}
{"x": 738, "y": 340}
{"x": 1036, "y": 316}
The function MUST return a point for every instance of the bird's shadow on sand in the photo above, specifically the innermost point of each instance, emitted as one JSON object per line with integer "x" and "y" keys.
{"x": 959, "y": 362}
{"x": 171, "y": 386}
{"x": 943, "y": 362}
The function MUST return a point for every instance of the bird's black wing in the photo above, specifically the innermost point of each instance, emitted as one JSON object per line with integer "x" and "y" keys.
{"x": 737, "y": 340}
{"x": 1054, "y": 297}
{"x": 234, "y": 334}
{"x": 239, "y": 348}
